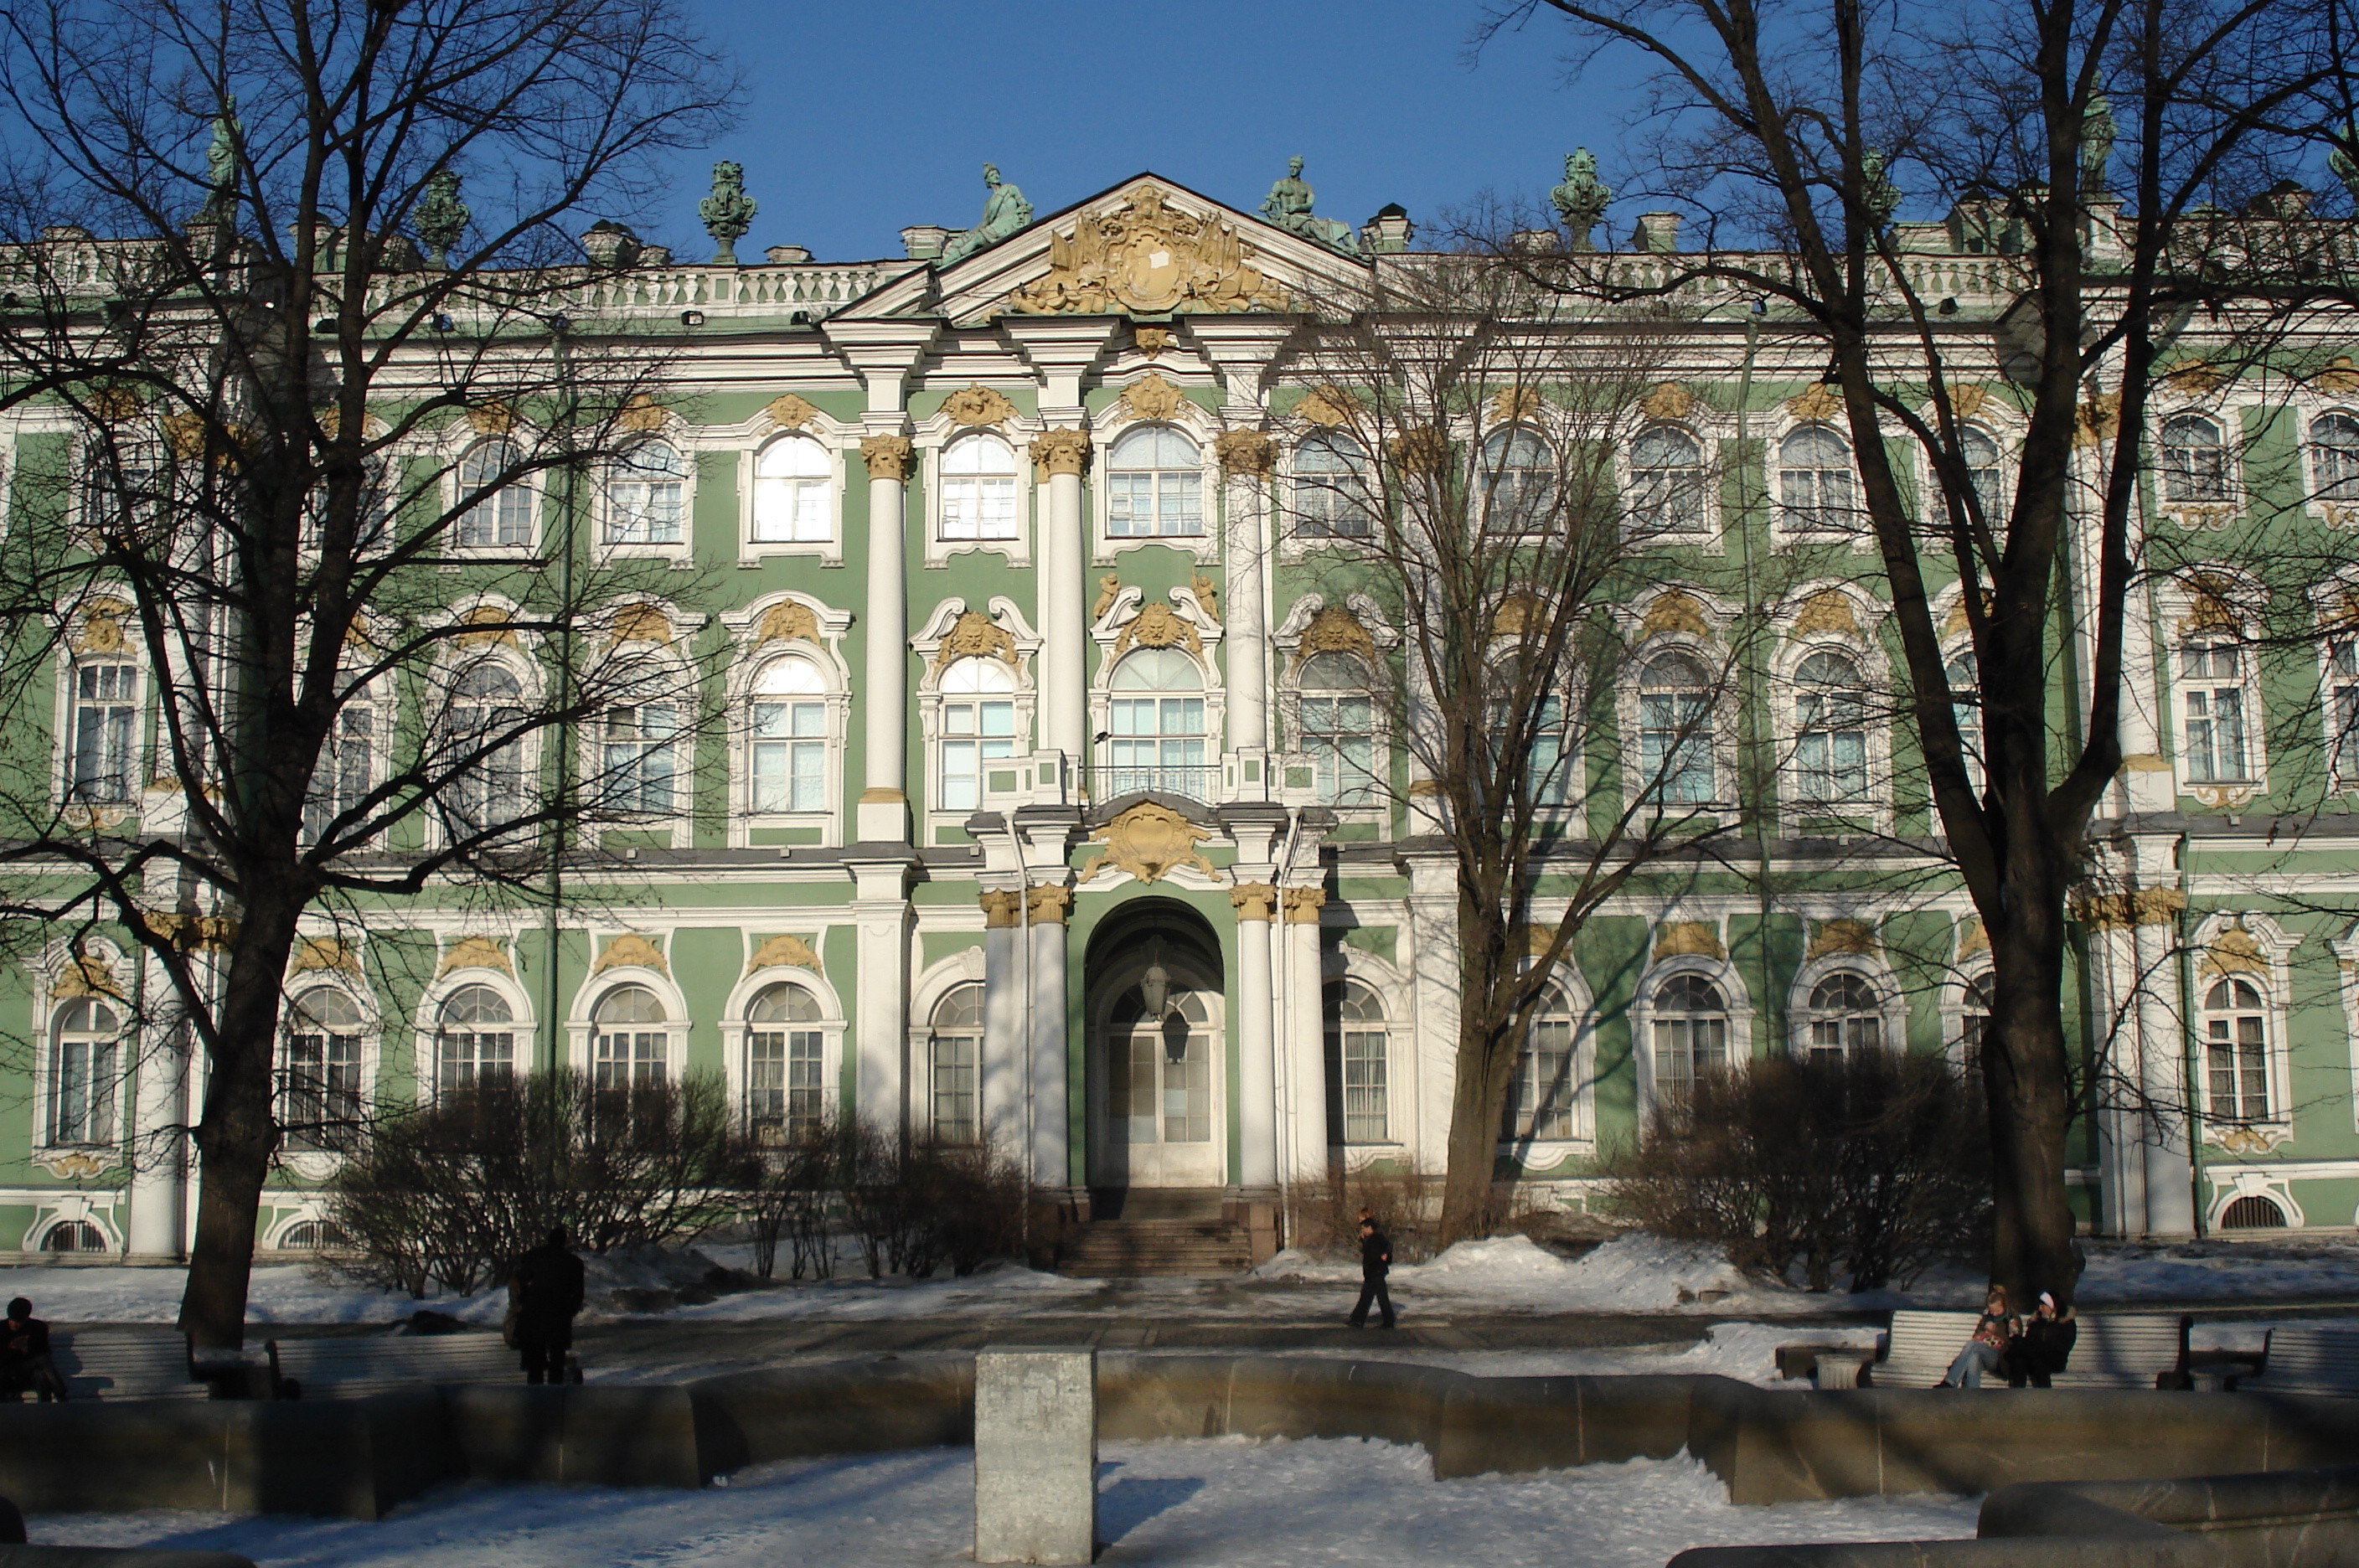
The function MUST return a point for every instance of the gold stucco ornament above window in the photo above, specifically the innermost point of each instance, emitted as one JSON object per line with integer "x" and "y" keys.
{"x": 639, "y": 623}
{"x": 1515, "y": 404}
{"x": 785, "y": 951}
{"x": 476, "y": 953}
{"x": 115, "y": 403}
{"x": 1150, "y": 341}
{"x": 491, "y": 418}
{"x": 1821, "y": 402}
{"x": 975, "y": 635}
{"x": 1972, "y": 938}
{"x": 1968, "y": 401}
{"x": 2340, "y": 376}
{"x": 1060, "y": 452}
{"x": 1328, "y": 406}
{"x": 76, "y": 1166}
{"x": 1827, "y": 612}
{"x": 1147, "y": 258}
{"x": 1857, "y": 938}
{"x": 1666, "y": 400}
{"x": 2194, "y": 378}
{"x": 491, "y": 623}
{"x": 1152, "y": 397}
{"x": 87, "y": 976}
{"x": 2234, "y": 951}
{"x": 888, "y": 456}
{"x": 1148, "y": 841}
{"x": 1675, "y": 612}
{"x": 1109, "y": 590}
{"x": 790, "y": 412}
{"x": 332, "y": 953}
{"x": 1248, "y": 454}
{"x": 1334, "y": 629}
{"x": 100, "y": 628}
{"x": 641, "y": 414}
{"x": 977, "y": 405}
{"x": 1687, "y": 939}
{"x": 2098, "y": 420}
{"x": 1159, "y": 626}
{"x": 631, "y": 950}
{"x": 788, "y": 622}
{"x": 2135, "y": 906}
{"x": 2209, "y": 599}
{"x": 1518, "y": 614}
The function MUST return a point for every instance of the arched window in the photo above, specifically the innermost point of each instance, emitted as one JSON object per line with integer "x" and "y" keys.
{"x": 628, "y": 1042}
{"x": 74, "y": 1236}
{"x": 1159, "y": 1086}
{"x": 1831, "y": 730}
{"x": 1154, "y": 485}
{"x": 1339, "y": 727}
{"x": 1973, "y": 1020}
{"x": 102, "y": 749}
{"x": 1814, "y": 480}
{"x": 347, "y": 770}
{"x": 2236, "y": 1051}
{"x": 1541, "y": 1101}
{"x": 1967, "y": 709}
{"x": 1846, "y": 1016}
{"x": 2194, "y": 460}
{"x": 85, "y": 1048}
{"x": 1982, "y": 470}
{"x": 498, "y": 514}
{"x": 1157, "y": 732}
{"x": 1359, "y": 1066}
{"x": 1667, "y": 480}
{"x": 785, "y": 1053}
{"x": 474, "y": 1041}
{"x": 789, "y": 725}
{"x": 319, "y": 1092}
{"x": 2335, "y": 458}
{"x": 978, "y": 727}
{"x": 1518, "y": 482}
{"x": 488, "y": 704}
{"x": 1675, "y": 747}
{"x": 790, "y": 493}
{"x": 978, "y": 489}
{"x": 312, "y": 1236}
{"x": 1330, "y": 489}
{"x": 639, "y": 761}
{"x": 1691, "y": 1024}
{"x": 2211, "y": 697}
{"x": 2252, "y": 1212}
{"x": 2343, "y": 707}
{"x": 646, "y": 491}
{"x": 954, "y": 1051}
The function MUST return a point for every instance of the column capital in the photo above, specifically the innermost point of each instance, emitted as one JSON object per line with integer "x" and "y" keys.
{"x": 1059, "y": 452}
{"x": 888, "y": 456}
{"x": 1245, "y": 454}
{"x": 1049, "y": 904}
{"x": 1253, "y": 900}
{"x": 1001, "y": 907}
{"x": 1304, "y": 904}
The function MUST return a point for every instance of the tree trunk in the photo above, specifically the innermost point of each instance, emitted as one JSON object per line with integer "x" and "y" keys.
{"x": 1486, "y": 1071}
{"x": 238, "y": 1134}
{"x": 2028, "y": 1080}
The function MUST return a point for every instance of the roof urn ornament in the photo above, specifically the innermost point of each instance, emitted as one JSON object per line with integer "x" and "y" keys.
{"x": 2340, "y": 160}
{"x": 439, "y": 218}
{"x": 1581, "y": 200}
{"x": 2096, "y": 144}
{"x": 1002, "y": 214}
{"x": 1288, "y": 206}
{"x": 728, "y": 212}
{"x": 1877, "y": 189}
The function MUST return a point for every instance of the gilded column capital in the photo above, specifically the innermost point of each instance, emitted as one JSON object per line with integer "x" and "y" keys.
{"x": 1304, "y": 904}
{"x": 1050, "y": 905}
{"x": 1253, "y": 900}
{"x": 1000, "y": 907}
{"x": 1061, "y": 451}
{"x": 1245, "y": 454}
{"x": 888, "y": 456}
{"x": 2137, "y": 907}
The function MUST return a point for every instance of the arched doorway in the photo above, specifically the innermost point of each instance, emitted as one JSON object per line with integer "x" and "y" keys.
{"x": 1157, "y": 1078}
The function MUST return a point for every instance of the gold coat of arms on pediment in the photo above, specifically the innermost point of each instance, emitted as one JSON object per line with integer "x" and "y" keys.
{"x": 1147, "y": 841}
{"x": 1149, "y": 257}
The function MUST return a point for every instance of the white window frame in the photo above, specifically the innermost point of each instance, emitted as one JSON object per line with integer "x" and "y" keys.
{"x": 522, "y": 1023}
{"x": 536, "y": 502}
{"x": 2274, "y": 981}
{"x": 1735, "y": 1001}
{"x": 1873, "y": 812}
{"x": 752, "y": 656}
{"x": 50, "y": 1007}
{"x": 1630, "y": 704}
{"x": 136, "y": 766}
{"x": 2336, "y": 513}
{"x": 680, "y": 552}
{"x": 1291, "y": 477}
{"x": 1785, "y": 527}
{"x": 1580, "y": 1139}
{"x": 2193, "y": 512}
{"x": 454, "y": 667}
{"x": 838, "y": 449}
{"x": 933, "y": 440}
{"x": 928, "y": 645}
{"x": 736, "y": 1027}
{"x": 1706, "y": 527}
{"x": 1201, "y": 428}
{"x": 582, "y": 1027}
{"x": 1891, "y": 1008}
{"x": 367, "y": 1033}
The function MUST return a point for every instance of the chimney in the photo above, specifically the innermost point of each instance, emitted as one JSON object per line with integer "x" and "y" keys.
{"x": 785, "y": 255}
{"x": 924, "y": 241}
{"x": 1656, "y": 232}
{"x": 1388, "y": 233}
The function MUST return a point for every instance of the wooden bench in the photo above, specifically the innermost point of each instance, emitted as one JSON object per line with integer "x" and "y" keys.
{"x": 124, "y": 1364}
{"x": 2304, "y": 1359}
{"x": 350, "y": 1367}
{"x": 2120, "y": 1350}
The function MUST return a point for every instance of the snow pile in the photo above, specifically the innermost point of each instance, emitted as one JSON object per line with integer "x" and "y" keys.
{"x": 1175, "y": 1504}
{"x": 2220, "y": 1270}
{"x": 1635, "y": 1272}
{"x": 990, "y": 1290}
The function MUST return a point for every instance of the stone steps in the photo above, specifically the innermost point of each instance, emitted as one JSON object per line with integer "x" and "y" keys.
{"x": 1104, "y": 1249}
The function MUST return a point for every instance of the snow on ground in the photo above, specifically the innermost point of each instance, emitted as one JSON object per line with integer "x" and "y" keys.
{"x": 1174, "y": 1504}
{"x": 1744, "y": 1351}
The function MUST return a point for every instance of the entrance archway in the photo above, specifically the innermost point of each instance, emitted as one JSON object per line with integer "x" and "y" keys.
{"x": 1157, "y": 1081}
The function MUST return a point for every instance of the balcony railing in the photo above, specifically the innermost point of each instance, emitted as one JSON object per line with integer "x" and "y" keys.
{"x": 1190, "y": 783}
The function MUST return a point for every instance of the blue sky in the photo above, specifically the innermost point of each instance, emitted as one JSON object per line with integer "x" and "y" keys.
{"x": 862, "y": 119}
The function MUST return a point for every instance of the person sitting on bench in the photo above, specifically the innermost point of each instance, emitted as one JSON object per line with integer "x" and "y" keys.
{"x": 25, "y": 1360}
{"x": 2039, "y": 1351}
{"x": 1993, "y": 1332}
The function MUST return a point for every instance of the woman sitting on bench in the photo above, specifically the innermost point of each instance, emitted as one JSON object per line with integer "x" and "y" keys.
{"x": 1993, "y": 1332}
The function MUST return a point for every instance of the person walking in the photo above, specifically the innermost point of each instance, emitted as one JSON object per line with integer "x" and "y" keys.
{"x": 25, "y": 1360}
{"x": 1375, "y": 1263}
{"x": 1994, "y": 1330}
{"x": 544, "y": 1294}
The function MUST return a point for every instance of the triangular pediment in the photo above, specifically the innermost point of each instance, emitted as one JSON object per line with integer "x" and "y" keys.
{"x": 1149, "y": 246}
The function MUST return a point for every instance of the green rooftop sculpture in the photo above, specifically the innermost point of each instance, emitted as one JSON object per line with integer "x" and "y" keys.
{"x": 728, "y": 212}
{"x": 1005, "y": 212}
{"x": 1287, "y": 205}
{"x": 439, "y": 218}
{"x": 1581, "y": 200}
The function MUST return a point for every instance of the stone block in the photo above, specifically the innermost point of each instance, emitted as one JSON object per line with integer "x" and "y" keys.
{"x": 1036, "y": 1454}
{"x": 1511, "y": 1424}
{"x": 586, "y": 1435}
{"x": 846, "y": 1407}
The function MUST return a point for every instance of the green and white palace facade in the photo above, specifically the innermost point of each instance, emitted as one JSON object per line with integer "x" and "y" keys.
{"x": 1038, "y": 678}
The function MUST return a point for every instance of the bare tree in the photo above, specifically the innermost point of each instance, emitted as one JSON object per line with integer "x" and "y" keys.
{"x": 300, "y": 380}
{"x": 1791, "y": 131}
{"x": 1462, "y": 474}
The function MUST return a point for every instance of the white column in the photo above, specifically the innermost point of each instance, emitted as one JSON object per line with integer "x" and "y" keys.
{"x": 884, "y": 811}
{"x": 1064, "y": 631}
{"x": 1247, "y": 457}
{"x": 1002, "y": 1089}
{"x": 1434, "y": 964}
{"x": 1256, "y": 1044}
{"x": 1302, "y": 1037}
{"x": 1051, "y": 1106}
{"x": 880, "y": 1043}
{"x": 2166, "y": 1143}
{"x": 160, "y": 1152}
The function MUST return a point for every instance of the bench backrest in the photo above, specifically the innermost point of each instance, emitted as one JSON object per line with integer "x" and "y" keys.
{"x": 2301, "y": 1356}
{"x": 1922, "y": 1346}
{"x": 122, "y": 1364}
{"x": 2137, "y": 1350}
{"x": 352, "y": 1365}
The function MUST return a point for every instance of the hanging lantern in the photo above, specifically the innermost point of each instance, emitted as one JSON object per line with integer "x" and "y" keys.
{"x": 1155, "y": 986}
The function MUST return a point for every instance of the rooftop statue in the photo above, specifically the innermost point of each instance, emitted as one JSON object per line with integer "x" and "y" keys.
{"x": 1287, "y": 205}
{"x": 728, "y": 212}
{"x": 2339, "y": 161}
{"x": 221, "y": 161}
{"x": 1002, "y": 214}
{"x": 2096, "y": 145}
{"x": 1581, "y": 200}
{"x": 1883, "y": 197}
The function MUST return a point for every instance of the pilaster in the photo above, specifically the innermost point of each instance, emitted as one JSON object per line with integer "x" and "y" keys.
{"x": 884, "y": 808}
{"x": 880, "y": 1044}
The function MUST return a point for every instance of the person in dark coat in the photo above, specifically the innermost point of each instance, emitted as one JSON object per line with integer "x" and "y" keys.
{"x": 25, "y": 1361}
{"x": 2040, "y": 1351}
{"x": 1375, "y": 1263}
{"x": 544, "y": 1294}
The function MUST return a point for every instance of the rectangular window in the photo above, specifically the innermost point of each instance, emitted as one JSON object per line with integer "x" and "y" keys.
{"x": 973, "y": 734}
{"x": 979, "y": 506}
{"x": 1831, "y": 753}
{"x": 99, "y": 747}
{"x": 2237, "y": 1056}
{"x": 1365, "y": 1087}
{"x": 469, "y": 1059}
{"x": 1158, "y": 744}
{"x": 955, "y": 1070}
{"x": 1338, "y": 733}
{"x": 2215, "y": 731}
{"x": 784, "y": 1101}
{"x": 629, "y": 1058}
{"x": 501, "y": 520}
{"x": 1156, "y": 503}
{"x": 2342, "y": 708}
{"x": 1675, "y": 747}
{"x": 1685, "y": 1048}
{"x": 81, "y": 1092}
{"x": 789, "y": 756}
{"x": 323, "y": 1096}
{"x": 346, "y": 772}
{"x": 1540, "y": 1107}
{"x": 642, "y": 757}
